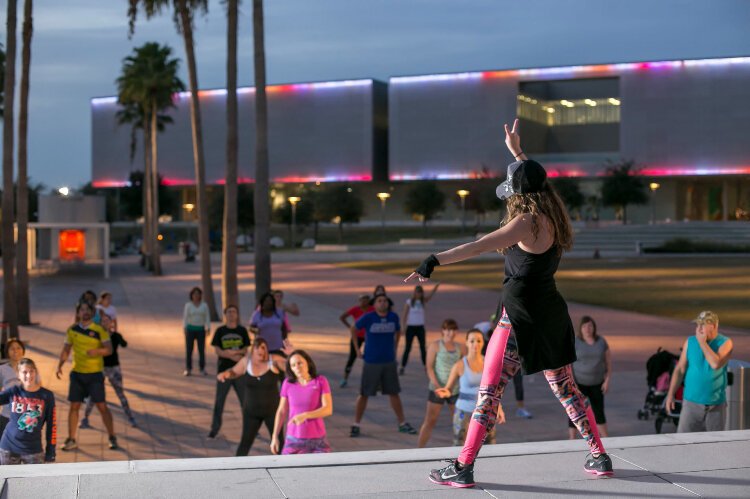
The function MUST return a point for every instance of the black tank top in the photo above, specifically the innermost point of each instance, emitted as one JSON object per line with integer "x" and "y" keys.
{"x": 262, "y": 392}
{"x": 538, "y": 313}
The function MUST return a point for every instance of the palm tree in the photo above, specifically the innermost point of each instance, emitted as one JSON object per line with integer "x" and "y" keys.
{"x": 229, "y": 290}
{"x": 132, "y": 114}
{"x": 10, "y": 312}
{"x": 22, "y": 194}
{"x": 262, "y": 208}
{"x": 148, "y": 81}
{"x": 2, "y": 78}
{"x": 184, "y": 11}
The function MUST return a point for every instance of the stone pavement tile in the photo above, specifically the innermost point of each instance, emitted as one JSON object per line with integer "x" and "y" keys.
{"x": 522, "y": 470}
{"x": 431, "y": 494}
{"x": 688, "y": 457}
{"x": 52, "y": 487}
{"x": 718, "y": 483}
{"x": 633, "y": 486}
{"x": 204, "y": 484}
{"x": 347, "y": 481}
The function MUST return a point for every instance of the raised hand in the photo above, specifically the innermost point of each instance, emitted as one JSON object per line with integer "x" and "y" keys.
{"x": 413, "y": 275}
{"x": 513, "y": 139}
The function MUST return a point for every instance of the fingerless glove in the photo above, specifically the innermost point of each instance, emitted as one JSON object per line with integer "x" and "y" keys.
{"x": 427, "y": 266}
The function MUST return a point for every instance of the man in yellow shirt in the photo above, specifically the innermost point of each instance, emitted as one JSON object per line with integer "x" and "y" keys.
{"x": 90, "y": 343}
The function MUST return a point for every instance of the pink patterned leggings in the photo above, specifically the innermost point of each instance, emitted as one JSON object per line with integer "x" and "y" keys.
{"x": 500, "y": 364}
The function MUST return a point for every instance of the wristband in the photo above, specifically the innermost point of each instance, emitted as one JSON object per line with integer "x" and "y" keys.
{"x": 427, "y": 266}
{"x": 517, "y": 155}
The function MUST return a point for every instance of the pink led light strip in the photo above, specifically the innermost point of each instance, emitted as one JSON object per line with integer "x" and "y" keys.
{"x": 570, "y": 70}
{"x": 271, "y": 89}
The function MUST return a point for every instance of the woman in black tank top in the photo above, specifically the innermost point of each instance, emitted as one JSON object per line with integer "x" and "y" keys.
{"x": 263, "y": 379}
{"x": 535, "y": 331}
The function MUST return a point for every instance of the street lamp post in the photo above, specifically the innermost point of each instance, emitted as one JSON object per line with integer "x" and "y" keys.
{"x": 294, "y": 200}
{"x": 383, "y": 197}
{"x": 462, "y": 194}
{"x": 188, "y": 207}
{"x": 653, "y": 186}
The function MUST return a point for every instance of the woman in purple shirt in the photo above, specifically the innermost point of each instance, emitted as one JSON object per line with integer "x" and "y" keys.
{"x": 305, "y": 401}
{"x": 267, "y": 322}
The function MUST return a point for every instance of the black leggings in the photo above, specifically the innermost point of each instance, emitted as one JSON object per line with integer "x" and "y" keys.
{"x": 190, "y": 338}
{"x": 419, "y": 333}
{"x": 251, "y": 426}
{"x": 352, "y": 355}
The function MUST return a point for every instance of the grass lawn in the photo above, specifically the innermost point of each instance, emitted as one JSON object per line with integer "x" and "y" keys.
{"x": 670, "y": 287}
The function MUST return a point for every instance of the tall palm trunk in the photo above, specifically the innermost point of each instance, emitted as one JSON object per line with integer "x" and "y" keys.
{"x": 10, "y": 312}
{"x": 22, "y": 194}
{"x": 229, "y": 291}
{"x": 198, "y": 157}
{"x": 155, "y": 249}
{"x": 148, "y": 204}
{"x": 262, "y": 208}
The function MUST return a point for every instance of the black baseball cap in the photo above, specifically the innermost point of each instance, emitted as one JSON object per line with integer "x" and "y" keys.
{"x": 524, "y": 177}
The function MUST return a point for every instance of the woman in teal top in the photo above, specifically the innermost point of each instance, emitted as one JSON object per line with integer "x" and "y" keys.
{"x": 441, "y": 355}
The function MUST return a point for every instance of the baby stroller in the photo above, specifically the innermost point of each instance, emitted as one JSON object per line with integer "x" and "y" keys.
{"x": 659, "y": 369}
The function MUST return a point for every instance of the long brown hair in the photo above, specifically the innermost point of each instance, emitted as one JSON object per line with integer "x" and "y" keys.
{"x": 546, "y": 202}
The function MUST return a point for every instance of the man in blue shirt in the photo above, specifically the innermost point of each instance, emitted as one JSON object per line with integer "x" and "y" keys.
{"x": 703, "y": 366}
{"x": 382, "y": 334}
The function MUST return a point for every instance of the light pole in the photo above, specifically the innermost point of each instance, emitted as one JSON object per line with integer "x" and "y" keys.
{"x": 653, "y": 186}
{"x": 189, "y": 207}
{"x": 383, "y": 197}
{"x": 462, "y": 194}
{"x": 294, "y": 200}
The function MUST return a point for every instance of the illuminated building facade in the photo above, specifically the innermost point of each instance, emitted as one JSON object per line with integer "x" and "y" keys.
{"x": 683, "y": 123}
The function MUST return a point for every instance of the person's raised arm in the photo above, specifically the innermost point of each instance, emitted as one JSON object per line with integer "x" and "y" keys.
{"x": 291, "y": 308}
{"x": 432, "y": 293}
{"x": 278, "y": 424}
{"x": 677, "y": 376}
{"x": 513, "y": 141}
{"x": 716, "y": 360}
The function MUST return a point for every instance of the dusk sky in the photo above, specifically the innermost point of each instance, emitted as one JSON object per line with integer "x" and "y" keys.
{"x": 79, "y": 45}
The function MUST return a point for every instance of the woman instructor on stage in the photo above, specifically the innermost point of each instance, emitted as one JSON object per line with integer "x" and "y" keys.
{"x": 534, "y": 331}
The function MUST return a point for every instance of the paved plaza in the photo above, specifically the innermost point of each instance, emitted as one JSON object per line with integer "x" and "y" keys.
{"x": 684, "y": 465}
{"x": 174, "y": 412}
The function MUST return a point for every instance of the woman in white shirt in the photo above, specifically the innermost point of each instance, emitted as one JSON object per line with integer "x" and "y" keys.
{"x": 412, "y": 322}
{"x": 196, "y": 321}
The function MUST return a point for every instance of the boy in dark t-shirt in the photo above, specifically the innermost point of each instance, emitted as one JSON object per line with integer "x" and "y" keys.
{"x": 31, "y": 408}
{"x": 230, "y": 342}
{"x": 382, "y": 334}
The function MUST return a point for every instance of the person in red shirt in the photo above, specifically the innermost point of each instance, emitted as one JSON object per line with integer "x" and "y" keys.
{"x": 355, "y": 313}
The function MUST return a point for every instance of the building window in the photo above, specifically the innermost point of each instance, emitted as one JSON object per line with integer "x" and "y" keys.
{"x": 569, "y": 111}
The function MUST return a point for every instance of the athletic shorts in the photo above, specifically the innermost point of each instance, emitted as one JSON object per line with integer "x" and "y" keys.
{"x": 379, "y": 378}
{"x": 431, "y": 397}
{"x": 86, "y": 385}
{"x": 596, "y": 399}
{"x": 294, "y": 445}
